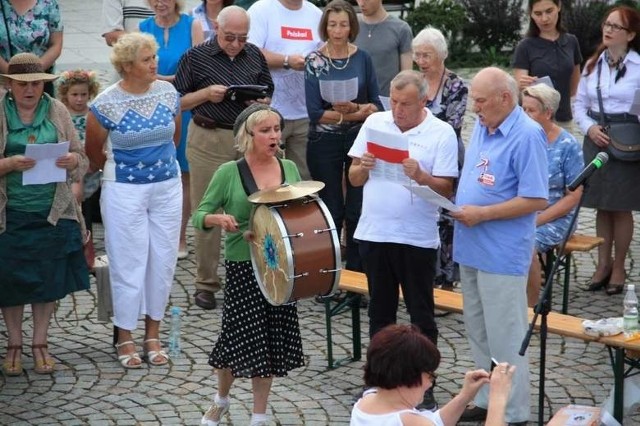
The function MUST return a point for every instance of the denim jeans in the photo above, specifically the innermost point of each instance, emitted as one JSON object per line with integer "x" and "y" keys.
{"x": 329, "y": 163}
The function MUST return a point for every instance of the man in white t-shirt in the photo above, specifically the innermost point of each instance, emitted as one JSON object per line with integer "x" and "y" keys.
{"x": 398, "y": 232}
{"x": 286, "y": 31}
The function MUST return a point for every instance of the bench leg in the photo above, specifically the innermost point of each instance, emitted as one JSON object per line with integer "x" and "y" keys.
{"x": 567, "y": 278}
{"x": 355, "y": 328}
{"x": 618, "y": 386}
{"x": 328, "y": 315}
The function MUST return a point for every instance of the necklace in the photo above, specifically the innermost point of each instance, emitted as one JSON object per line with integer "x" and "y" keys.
{"x": 339, "y": 68}
{"x": 435, "y": 95}
{"x": 372, "y": 27}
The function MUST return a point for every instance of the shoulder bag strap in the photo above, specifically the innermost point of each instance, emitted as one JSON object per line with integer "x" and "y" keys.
{"x": 6, "y": 28}
{"x": 603, "y": 120}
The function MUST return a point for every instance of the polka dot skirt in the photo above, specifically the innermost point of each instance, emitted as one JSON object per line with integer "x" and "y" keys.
{"x": 257, "y": 338}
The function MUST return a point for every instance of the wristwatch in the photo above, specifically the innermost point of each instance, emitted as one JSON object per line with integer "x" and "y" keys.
{"x": 285, "y": 64}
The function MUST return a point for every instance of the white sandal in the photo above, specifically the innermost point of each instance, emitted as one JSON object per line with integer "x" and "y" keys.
{"x": 125, "y": 359}
{"x": 152, "y": 355}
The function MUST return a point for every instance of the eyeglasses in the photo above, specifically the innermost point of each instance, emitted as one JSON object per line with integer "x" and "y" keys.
{"x": 426, "y": 56}
{"x": 233, "y": 37}
{"x": 613, "y": 27}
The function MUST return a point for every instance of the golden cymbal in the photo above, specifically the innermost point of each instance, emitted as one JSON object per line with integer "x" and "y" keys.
{"x": 286, "y": 192}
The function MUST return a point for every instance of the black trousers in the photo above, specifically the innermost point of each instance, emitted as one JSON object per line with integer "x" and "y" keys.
{"x": 389, "y": 266}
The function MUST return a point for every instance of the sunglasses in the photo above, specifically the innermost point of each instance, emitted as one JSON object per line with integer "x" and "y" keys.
{"x": 228, "y": 37}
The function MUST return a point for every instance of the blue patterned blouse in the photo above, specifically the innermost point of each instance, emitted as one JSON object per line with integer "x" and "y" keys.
{"x": 140, "y": 146}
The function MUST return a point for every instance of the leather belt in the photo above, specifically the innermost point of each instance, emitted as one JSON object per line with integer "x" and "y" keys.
{"x": 208, "y": 123}
{"x": 614, "y": 118}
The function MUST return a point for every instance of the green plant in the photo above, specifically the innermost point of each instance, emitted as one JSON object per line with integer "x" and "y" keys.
{"x": 448, "y": 16}
{"x": 493, "y": 23}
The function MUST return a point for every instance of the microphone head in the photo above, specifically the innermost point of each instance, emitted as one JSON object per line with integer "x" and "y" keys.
{"x": 602, "y": 157}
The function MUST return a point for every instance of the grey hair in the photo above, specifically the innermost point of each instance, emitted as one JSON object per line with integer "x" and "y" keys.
{"x": 547, "y": 96}
{"x": 228, "y": 12}
{"x": 406, "y": 77}
{"x": 432, "y": 37}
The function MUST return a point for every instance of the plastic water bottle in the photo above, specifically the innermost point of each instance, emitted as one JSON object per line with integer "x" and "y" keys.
{"x": 174, "y": 333}
{"x": 630, "y": 313}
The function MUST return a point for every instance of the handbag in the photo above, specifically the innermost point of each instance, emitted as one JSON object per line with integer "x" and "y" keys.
{"x": 623, "y": 131}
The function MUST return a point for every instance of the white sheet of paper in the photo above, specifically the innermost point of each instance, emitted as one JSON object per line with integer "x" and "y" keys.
{"x": 386, "y": 102}
{"x": 544, "y": 80}
{"x": 635, "y": 106}
{"x": 431, "y": 196}
{"x": 45, "y": 170}
{"x": 334, "y": 91}
{"x": 387, "y": 170}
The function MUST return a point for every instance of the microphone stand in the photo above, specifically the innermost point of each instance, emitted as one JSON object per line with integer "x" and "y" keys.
{"x": 543, "y": 307}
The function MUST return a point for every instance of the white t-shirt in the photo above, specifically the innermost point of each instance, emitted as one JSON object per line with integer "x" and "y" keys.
{"x": 389, "y": 211}
{"x": 360, "y": 418}
{"x": 278, "y": 29}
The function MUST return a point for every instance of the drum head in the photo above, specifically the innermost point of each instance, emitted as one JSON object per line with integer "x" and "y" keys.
{"x": 271, "y": 255}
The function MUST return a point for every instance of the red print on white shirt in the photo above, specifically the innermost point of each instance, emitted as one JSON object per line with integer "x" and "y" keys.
{"x": 291, "y": 33}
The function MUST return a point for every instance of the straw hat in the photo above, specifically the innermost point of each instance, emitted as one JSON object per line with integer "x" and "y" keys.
{"x": 27, "y": 67}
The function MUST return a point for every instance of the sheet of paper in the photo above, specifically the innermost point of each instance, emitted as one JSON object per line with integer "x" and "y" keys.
{"x": 635, "y": 106}
{"x": 334, "y": 91}
{"x": 430, "y": 196}
{"x": 389, "y": 149}
{"x": 386, "y": 102}
{"x": 544, "y": 80}
{"x": 45, "y": 170}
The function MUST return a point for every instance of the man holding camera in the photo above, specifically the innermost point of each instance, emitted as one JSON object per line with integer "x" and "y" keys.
{"x": 204, "y": 75}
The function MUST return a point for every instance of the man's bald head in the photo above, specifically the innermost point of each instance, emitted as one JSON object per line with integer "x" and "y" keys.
{"x": 494, "y": 94}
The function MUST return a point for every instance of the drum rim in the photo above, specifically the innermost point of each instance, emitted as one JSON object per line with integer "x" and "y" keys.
{"x": 289, "y": 253}
{"x": 336, "y": 243}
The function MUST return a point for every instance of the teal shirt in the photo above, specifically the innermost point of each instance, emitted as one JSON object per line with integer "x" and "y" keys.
{"x": 29, "y": 198}
{"x": 225, "y": 191}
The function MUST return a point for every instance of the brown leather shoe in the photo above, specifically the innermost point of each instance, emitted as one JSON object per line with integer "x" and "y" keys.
{"x": 205, "y": 299}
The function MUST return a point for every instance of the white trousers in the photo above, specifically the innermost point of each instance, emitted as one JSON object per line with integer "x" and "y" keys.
{"x": 142, "y": 230}
{"x": 495, "y": 316}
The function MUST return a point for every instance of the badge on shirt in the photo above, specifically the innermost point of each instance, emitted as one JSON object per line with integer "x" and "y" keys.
{"x": 487, "y": 179}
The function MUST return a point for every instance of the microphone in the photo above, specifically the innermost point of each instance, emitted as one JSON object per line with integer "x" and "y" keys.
{"x": 594, "y": 165}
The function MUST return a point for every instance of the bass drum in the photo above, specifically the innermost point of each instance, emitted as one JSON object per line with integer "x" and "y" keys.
{"x": 295, "y": 250}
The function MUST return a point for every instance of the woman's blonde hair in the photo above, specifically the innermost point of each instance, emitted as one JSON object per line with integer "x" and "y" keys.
{"x": 126, "y": 49}
{"x": 244, "y": 137}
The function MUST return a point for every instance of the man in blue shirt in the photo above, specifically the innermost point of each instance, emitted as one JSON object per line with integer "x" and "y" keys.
{"x": 503, "y": 184}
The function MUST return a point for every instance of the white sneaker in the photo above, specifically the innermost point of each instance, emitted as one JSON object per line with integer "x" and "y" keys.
{"x": 214, "y": 414}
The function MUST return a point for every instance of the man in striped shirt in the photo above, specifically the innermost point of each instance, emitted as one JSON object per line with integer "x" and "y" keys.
{"x": 204, "y": 74}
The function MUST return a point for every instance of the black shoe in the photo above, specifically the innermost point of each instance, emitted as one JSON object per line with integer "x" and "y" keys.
{"x": 428, "y": 401}
{"x": 597, "y": 285}
{"x": 473, "y": 413}
{"x": 205, "y": 299}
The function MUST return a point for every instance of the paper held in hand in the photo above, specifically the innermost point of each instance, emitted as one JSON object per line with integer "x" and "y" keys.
{"x": 45, "y": 170}
{"x": 389, "y": 149}
{"x": 431, "y": 196}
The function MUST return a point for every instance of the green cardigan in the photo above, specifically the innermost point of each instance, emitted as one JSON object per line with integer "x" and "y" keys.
{"x": 225, "y": 191}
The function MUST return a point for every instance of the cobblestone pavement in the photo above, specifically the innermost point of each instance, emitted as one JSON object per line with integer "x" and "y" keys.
{"x": 90, "y": 387}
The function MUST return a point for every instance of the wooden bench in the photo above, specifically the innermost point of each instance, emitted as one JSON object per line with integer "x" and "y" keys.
{"x": 577, "y": 243}
{"x": 620, "y": 351}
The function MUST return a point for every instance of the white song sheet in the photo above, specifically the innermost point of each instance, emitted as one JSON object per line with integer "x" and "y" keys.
{"x": 431, "y": 196}
{"x": 334, "y": 91}
{"x": 389, "y": 149}
{"x": 45, "y": 170}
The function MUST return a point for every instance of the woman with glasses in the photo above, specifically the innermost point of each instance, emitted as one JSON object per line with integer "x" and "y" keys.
{"x": 564, "y": 156}
{"x": 448, "y": 102}
{"x": 400, "y": 366}
{"x": 549, "y": 51}
{"x": 614, "y": 69}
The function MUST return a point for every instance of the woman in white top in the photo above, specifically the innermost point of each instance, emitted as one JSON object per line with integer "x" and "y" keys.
{"x": 400, "y": 367}
{"x": 613, "y": 190}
